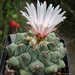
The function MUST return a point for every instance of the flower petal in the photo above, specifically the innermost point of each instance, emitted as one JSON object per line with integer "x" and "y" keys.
{"x": 43, "y": 20}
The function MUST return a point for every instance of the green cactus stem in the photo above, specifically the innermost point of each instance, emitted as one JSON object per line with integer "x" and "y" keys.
{"x": 29, "y": 57}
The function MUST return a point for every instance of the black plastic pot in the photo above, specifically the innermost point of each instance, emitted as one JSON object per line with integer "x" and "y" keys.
{"x": 10, "y": 38}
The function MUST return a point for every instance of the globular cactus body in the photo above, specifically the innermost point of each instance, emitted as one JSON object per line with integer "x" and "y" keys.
{"x": 32, "y": 58}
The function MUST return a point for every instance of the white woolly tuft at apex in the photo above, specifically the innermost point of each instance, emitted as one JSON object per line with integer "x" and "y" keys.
{"x": 43, "y": 20}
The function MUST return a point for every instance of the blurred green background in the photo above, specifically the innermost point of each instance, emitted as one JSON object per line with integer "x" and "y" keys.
{"x": 10, "y": 10}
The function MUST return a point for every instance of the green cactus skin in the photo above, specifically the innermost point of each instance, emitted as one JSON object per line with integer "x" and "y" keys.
{"x": 23, "y": 72}
{"x": 36, "y": 66}
{"x": 44, "y": 57}
{"x": 11, "y": 48}
{"x": 14, "y": 62}
{"x": 61, "y": 64}
{"x": 32, "y": 58}
{"x": 55, "y": 56}
{"x": 51, "y": 69}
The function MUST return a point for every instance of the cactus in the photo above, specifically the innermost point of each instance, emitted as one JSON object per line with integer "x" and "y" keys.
{"x": 39, "y": 51}
{"x": 40, "y": 58}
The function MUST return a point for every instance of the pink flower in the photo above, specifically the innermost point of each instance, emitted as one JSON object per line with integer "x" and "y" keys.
{"x": 43, "y": 20}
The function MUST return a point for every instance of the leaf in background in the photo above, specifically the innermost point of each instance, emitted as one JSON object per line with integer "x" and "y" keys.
{"x": 1, "y": 32}
{"x": 8, "y": 6}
